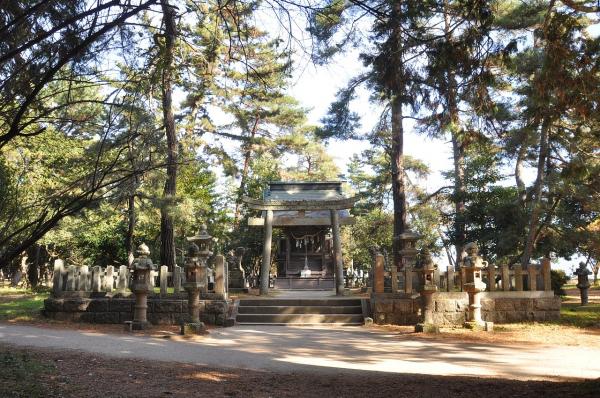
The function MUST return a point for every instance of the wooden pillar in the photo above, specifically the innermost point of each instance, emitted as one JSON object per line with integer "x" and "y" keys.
{"x": 288, "y": 253}
{"x": 337, "y": 253}
{"x": 266, "y": 260}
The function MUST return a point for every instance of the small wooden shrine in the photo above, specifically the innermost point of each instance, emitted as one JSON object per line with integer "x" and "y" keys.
{"x": 309, "y": 214}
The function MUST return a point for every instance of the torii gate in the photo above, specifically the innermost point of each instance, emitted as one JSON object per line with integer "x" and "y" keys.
{"x": 270, "y": 205}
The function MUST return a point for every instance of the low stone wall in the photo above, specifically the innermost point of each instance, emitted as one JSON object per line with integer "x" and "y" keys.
{"x": 396, "y": 308}
{"x": 451, "y": 308}
{"x": 507, "y": 307}
{"x": 161, "y": 311}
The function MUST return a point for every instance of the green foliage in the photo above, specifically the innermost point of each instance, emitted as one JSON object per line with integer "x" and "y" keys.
{"x": 558, "y": 279}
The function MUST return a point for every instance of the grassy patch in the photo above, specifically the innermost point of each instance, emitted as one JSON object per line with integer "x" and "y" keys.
{"x": 20, "y": 375}
{"x": 170, "y": 290}
{"x": 20, "y": 304}
{"x": 573, "y": 314}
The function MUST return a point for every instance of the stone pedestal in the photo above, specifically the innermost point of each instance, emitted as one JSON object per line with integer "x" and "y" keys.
{"x": 429, "y": 288}
{"x": 142, "y": 267}
{"x": 140, "y": 308}
{"x": 408, "y": 252}
{"x": 472, "y": 266}
{"x": 196, "y": 279}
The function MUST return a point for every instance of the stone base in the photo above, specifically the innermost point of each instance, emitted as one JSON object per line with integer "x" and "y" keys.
{"x": 190, "y": 329}
{"x": 238, "y": 290}
{"x": 426, "y": 328}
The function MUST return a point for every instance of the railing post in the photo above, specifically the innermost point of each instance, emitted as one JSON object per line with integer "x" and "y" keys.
{"x": 546, "y": 274}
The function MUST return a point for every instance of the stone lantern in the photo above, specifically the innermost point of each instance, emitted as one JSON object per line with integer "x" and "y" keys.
{"x": 408, "y": 242}
{"x": 141, "y": 266}
{"x": 472, "y": 265}
{"x": 583, "y": 282}
{"x": 237, "y": 275}
{"x": 429, "y": 287}
{"x": 196, "y": 278}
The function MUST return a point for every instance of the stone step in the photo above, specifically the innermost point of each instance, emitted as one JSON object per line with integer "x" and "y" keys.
{"x": 299, "y": 318}
{"x": 329, "y": 302}
{"x": 300, "y": 309}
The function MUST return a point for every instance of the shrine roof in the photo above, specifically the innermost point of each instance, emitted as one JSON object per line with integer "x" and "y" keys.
{"x": 304, "y": 191}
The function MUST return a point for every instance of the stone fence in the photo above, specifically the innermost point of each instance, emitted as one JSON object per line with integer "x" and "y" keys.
{"x": 514, "y": 295}
{"x": 71, "y": 278}
{"x": 102, "y": 295}
{"x": 535, "y": 277}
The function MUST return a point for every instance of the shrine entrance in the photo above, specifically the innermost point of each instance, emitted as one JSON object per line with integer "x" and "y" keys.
{"x": 309, "y": 215}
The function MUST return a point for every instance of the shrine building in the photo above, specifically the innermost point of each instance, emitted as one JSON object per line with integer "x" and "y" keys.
{"x": 309, "y": 215}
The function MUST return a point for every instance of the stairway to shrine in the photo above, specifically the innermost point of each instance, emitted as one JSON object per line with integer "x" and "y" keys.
{"x": 273, "y": 311}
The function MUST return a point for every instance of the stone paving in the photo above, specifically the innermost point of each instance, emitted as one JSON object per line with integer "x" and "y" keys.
{"x": 326, "y": 349}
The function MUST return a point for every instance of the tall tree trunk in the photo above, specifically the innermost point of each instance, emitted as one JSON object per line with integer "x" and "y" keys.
{"x": 167, "y": 235}
{"x": 247, "y": 155}
{"x": 397, "y": 155}
{"x": 130, "y": 229}
{"x": 398, "y": 184}
{"x": 458, "y": 152}
{"x": 522, "y": 191}
{"x": 537, "y": 193}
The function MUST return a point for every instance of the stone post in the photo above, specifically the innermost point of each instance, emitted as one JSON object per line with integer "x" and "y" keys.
{"x": 110, "y": 278}
{"x": 123, "y": 280}
{"x": 337, "y": 253}
{"x": 141, "y": 266}
{"x": 531, "y": 268}
{"x": 408, "y": 252}
{"x": 491, "y": 271}
{"x": 196, "y": 278}
{"x": 378, "y": 285}
{"x": 265, "y": 267}
{"x": 546, "y": 274}
{"x": 220, "y": 275}
{"x": 505, "y": 278}
{"x": 96, "y": 279}
{"x": 177, "y": 279}
{"x": 472, "y": 265}
{"x": 57, "y": 277}
{"x": 394, "y": 274}
{"x": 450, "y": 278}
{"x": 163, "y": 278}
{"x": 518, "y": 268}
{"x": 70, "y": 278}
{"x": 462, "y": 280}
{"x": 84, "y": 284}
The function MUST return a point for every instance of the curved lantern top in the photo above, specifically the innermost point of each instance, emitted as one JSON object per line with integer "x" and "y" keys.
{"x": 202, "y": 240}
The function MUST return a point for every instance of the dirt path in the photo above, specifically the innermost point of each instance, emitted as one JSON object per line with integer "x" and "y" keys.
{"x": 70, "y": 374}
{"x": 326, "y": 350}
